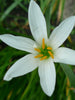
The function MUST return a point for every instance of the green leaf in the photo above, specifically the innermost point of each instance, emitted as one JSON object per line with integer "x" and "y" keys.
{"x": 9, "y": 9}
{"x": 48, "y": 13}
{"x": 47, "y": 17}
{"x": 8, "y": 31}
{"x": 69, "y": 73}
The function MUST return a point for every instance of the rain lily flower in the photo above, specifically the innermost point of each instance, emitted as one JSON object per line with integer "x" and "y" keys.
{"x": 43, "y": 51}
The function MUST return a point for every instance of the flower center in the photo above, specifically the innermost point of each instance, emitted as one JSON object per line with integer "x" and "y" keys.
{"x": 44, "y": 52}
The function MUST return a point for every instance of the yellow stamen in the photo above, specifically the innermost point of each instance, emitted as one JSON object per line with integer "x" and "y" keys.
{"x": 40, "y": 55}
{"x": 38, "y": 50}
{"x": 49, "y": 48}
{"x": 43, "y": 58}
{"x": 43, "y": 43}
{"x": 51, "y": 54}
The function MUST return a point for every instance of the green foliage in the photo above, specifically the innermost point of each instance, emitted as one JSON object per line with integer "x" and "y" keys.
{"x": 69, "y": 73}
{"x": 14, "y": 20}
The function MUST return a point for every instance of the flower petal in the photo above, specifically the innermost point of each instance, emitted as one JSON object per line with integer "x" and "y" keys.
{"x": 60, "y": 33}
{"x": 21, "y": 67}
{"x": 18, "y": 42}
{"x": 47, "y": 75}
{"x": 65, "y": 55}
{"x": 37, "y": 22}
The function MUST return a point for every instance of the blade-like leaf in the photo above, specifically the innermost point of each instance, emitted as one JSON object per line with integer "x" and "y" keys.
{"x": 9, "y": 9}
{"x": 48, "y": 13}
{"x": 69, "y": 73}
{"x": 47, "y": 16}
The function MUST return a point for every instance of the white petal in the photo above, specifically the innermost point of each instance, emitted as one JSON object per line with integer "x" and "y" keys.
{"x": 37, "y": 22}
{"x": 65, "y": 55}
{"x": 18, "y": 42}
{"x": 60, "y": 33}
{"x": 47, "y": 75}
{"x": 21, "y": 67}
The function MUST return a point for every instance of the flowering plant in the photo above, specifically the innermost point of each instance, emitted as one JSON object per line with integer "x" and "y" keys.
{"x": 43, "y": 51}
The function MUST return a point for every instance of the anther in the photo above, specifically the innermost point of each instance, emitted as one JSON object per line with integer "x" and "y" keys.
{"x": 40, "y": 55}
{"x": 43, "y": 43}
{"x": 43, "y": 58}
{"x": 49, "y": 48}
{"x": 51, "y": 54}
{"x": 38, "y": 50}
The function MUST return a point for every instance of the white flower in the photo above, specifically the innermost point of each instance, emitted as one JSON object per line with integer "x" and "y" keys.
{"x": 43, "y": 51}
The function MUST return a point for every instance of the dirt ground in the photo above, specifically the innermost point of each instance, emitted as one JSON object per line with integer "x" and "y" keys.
{"x": 69, "y": 8}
